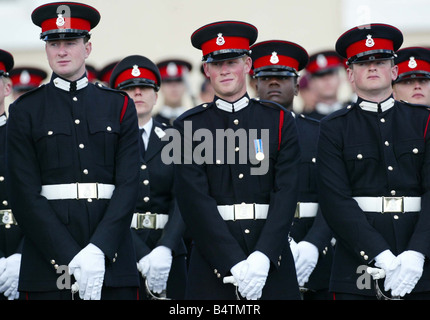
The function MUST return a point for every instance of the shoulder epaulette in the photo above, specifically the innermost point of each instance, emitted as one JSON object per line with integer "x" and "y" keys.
{"x": 308, "y": 118}
{"x": 28, "y": 93}
{"x": 103, "y": 87}
{"x": 195, "y": 110}
{"x": 416, "y": 105}
{"x": 340, "y": 112}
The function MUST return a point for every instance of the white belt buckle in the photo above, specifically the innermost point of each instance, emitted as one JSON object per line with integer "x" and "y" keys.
{"x": 244, "y": 211}
{"x": 87, "y": 190}
{"x": 393, "y": 204}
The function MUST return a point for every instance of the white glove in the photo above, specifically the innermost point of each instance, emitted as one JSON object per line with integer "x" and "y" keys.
{"x": 387, "y": 261}
{"x": 293, "y": 247}
{"x": 410, "y": 271}
{"x": 155, "y": 267}
{"x": 88, "y": 267}
{"x": 253, "y": 275}
{"x": 306, "y": 261}
{"x": 9, "y": 277}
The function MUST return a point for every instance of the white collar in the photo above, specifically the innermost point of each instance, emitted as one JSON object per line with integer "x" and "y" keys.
{"x": 171, "y": 113}
{"x": 232, "y": 107}
{"x": 65, "y": 85}
{"x": 373, "y": 106}
{"x": 3, "y": 120}
{"x": 148, "y": 127}
{"x": 326, "y": 109}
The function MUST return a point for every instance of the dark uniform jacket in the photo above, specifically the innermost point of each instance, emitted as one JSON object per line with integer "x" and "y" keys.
{"x": 370, "y": 150}
{"x": 156, "y": 196}
{"x": 314, "y": 230}
{"x": 11, "y": 236}
{"x": 61, "y": 134}
{"x": 200, "y": 188}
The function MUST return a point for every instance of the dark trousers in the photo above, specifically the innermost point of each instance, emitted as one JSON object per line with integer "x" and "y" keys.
{"x": 128, "y": 293}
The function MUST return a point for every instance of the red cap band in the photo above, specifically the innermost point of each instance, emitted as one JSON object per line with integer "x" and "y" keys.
{"x": 229, "y": 43}
{"x": 69, "y": 23}
{"x": 313, "y": 66}
{"x": 419, "y": 65}
{"x": 165, "y": 74}
{"x": 127, "y": 75}
{"x": 283, "y": 61}
{"x": 360, "y": 46}
{"x": 2, "y": 66}
{"x": 34, "y": 80}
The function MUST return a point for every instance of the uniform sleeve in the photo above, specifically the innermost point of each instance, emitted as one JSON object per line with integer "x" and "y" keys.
{"x": 117, "y": 218}
{"x": 340, "y": 210}
{"x": 32, "y": 211}
{"x": 320, "y": 233}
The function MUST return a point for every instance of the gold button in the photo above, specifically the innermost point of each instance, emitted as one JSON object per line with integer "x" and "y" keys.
{"x": 77, "y": 121}
{"x": 348, "y": 107}
{"x": 241, "y": 176}
{"x": 396, "y": 217}
{"x": 146, "y": 199}
{"x": 382, "y": 120}
{"x": 50, "y": 133}
{"x": 247, "y": 231}
{"x": 55, "y": 266}
{"x": 393, "y": 192}
{"x": 365, "y": 257}
{"x": 359, "y": 156}
{"x": 109, "y": 128}
{"x": 314, "y": 160}
{"x": 362, "y": 253}
{"x": 114, "y": 259}
{"x": 81, "y": 146}
{"x": 52, "y": 261}
{"x": 236, "y": 122}
{"x": 387, "y": 143}
{"x": 143, "y": 167}
{"x": 145, "y": 182}
{"x": 236, "y": 149}
{"x": 205, "y": 105}
{"x": 85, "y": 171}
{"x": 216, "y": 271}
{"x": 218, "y": 162}
{"x": 218, "y": 275}
{"x": 5, "y": 203}
{"x": 390, "y": 168}
{"x": 415, "y": 150}
{"x": 90, "y": 200}
{"x": 1, "y": 178}
{"x": 75, "y": 99}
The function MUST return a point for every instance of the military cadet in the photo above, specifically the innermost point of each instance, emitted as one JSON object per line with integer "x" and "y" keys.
{"x": 72, "y": 154}
{"x": 157, "y": 224}
{"x": 276, "y": 67}
{"x": 174, "y": 76}
{"x": 373, "y": 173}
{"x": 11, "y": 236}
{"x": 239, "y": 218}
{"x": 324, "y": 70}
{"x": 413, "y": 81}
{"x": 25, "y": 79}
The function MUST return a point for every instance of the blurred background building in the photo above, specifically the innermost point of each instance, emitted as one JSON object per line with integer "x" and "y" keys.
{"x": 162, "y": 29}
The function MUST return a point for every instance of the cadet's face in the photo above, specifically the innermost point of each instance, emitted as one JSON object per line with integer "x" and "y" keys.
{"x": 279, "y": 89}
{"x": 413, "y": 91}
{"x": 173, "y": 92}
{"x": 144, "y": 98}
{"x": 5, "y": 90}
{"x": 326, "y": 86}
{"x": 371, "y": 77}
{"x": 67, "y": 57}
{"x": 228, "y": 77}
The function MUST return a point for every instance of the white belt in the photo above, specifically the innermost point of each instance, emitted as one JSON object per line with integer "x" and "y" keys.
{"x": 389, "y": 204}
{"x": 306, "y": 210}
{"x": 243, "y": 211}
{"x": 77, "y": 191}
{"x": 149, "y": 220}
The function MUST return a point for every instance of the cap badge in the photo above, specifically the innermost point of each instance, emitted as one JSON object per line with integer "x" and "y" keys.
{"x": 274, "y": 59}
{"x": 60, "y": 20}
{"x": 412, "y": 63}
{"x": 172, "y": 69}
{"x": 24, "y": 77}
{"x": 220, "y": 40}
{"x": 135, "y": 72}
{"x": 369, "y": 41}
{"x": 321, "y": 61}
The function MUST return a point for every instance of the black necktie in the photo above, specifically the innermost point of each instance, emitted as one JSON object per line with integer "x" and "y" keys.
{"x": 141, "y": 143}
